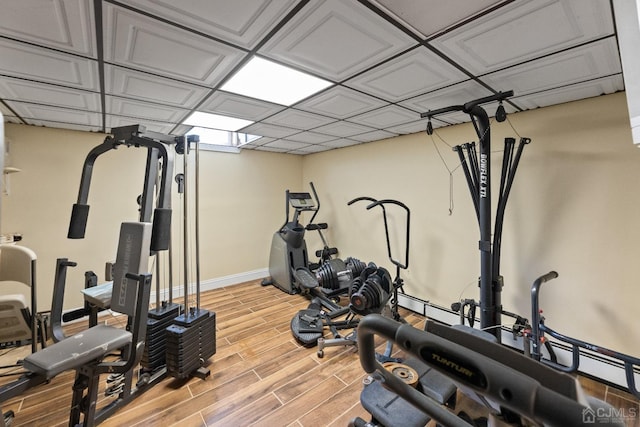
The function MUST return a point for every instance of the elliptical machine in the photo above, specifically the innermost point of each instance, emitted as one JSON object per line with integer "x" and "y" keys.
{"x": 289, "y": 266}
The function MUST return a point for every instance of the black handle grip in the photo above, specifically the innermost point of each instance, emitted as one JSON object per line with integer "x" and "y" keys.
{"x": 546, "y": 277}
{"x": 78, "y": 224}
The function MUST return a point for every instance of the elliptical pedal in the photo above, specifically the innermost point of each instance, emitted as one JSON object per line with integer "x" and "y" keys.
{"x": 307, "y": 325}
{"x": 305, "y": 278}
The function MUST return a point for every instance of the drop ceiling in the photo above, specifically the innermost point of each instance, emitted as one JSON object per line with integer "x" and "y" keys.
{"x": 96, "y": 64}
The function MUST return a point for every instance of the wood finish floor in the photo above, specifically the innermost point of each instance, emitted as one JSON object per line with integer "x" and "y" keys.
{"x": 260, "y": 376}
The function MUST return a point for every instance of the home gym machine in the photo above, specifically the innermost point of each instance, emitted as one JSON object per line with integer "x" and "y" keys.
{"x": 289, "y": 266}
{"x": 90, "y": 353}
{"x": 531, "y": 333}
{"x": 374, "y": 290}
{"x": 477, "y": 170}
{"x": 506, "y": 380}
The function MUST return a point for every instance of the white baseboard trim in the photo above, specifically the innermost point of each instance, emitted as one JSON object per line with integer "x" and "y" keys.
{"x": 206, "y": 285}
{"x": 593, "y": 364}
{"x": 216, "y": 283}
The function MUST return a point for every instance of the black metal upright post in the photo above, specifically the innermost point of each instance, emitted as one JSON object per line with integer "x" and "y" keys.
{"x": 489, "y": 291}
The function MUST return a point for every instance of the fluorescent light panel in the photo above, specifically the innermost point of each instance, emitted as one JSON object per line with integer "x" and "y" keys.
{"x": 268, "y": 81}
{"x": 216, "y": 121}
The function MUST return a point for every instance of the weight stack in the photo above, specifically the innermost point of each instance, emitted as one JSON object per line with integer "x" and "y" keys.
{"x": 191, "y": 341}
{"x": 153, "y": 357}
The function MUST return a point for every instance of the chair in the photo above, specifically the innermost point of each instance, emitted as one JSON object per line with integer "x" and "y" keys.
{"x": 18, "y": 320}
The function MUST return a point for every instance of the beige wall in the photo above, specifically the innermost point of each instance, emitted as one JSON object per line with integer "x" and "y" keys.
{"x": 241, "y": 204}
{"x": 574, "y": 208}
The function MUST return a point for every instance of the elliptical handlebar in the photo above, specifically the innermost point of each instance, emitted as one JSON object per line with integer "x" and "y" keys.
{"x": 317, "y": 208}
{"x": 381, "y": 203}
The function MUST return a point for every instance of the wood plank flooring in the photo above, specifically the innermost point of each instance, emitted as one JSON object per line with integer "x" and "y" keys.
{"x": 260, "y": 375}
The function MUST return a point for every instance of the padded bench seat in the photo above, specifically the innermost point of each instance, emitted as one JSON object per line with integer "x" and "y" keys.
{"x": 77, "y": 350}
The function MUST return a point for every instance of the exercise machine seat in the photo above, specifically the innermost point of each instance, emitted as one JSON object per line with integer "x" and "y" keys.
{"x": 17, "y": 279}
{"x": 77, "y": 350}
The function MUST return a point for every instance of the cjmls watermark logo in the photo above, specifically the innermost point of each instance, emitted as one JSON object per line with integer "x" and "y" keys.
{"x": 608, "y": 415}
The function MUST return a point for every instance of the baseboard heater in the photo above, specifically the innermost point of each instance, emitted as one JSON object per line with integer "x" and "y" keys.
{"x": 592, "y": 364}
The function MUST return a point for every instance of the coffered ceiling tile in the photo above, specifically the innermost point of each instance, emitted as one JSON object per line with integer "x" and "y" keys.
{"x": 584, "y": 63}
{"x": 343, "y": 129}
{"x": 413, "y": 127}
{"x": 271, "y": 149}
{"x": 41, "y": 93}
{"x": 12, "y": 119}
{"x": 86, "y": 127}
{"x": 311, "y": 137}
{"x": 61, "y": 24}
{"x": 181, "y": 129}
{"x": 298, "y": 119}
{"x": 412, "y": 74}
{"x": 8, "y": 115}
{"x": 310, "y": 149}
{"x": 264, "y": 129}
{"x": 387, "y": 116}
{"x": 5, "y": 111}
{"x": 376, "y": 135}
{"x": 453, "y": 95}
{"x": 262, "y": 140}
{"x": 286, "y": 144}
{"x": 146, "y": 44}
{"x": 54, "y": 113}
{"x": 575, "y": 92}
{"x": 532, "y": 29}
{"x": 336, "y": 39}
{"x": 143, "y": 110}
{"x": 34, "y": 63}
{"x": 242, "y": 22}
{"x": 342, "y": 142}
{"x": 420, "y": 16}
{"x": 146, "y": 87}
{"x": 341, "y": 102}
{"x": 117, "y": 121}
{"x": 258, "y": 142}
{"x": 233, "y": 105}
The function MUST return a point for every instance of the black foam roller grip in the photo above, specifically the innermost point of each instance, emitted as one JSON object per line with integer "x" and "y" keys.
{"x": 78, "y": 224}
{"x": 161, "y": 233}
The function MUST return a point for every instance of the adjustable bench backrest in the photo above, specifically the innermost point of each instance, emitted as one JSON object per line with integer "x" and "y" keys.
{"x": 93, "y": 344}
{"x": 132, "y": 258}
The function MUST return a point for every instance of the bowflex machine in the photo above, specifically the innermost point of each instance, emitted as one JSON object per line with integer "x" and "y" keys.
{"x": 516, "y": 387}
{"x": 477, "y": 171}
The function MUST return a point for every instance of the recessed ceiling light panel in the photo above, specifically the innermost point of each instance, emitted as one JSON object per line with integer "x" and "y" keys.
{"x": 269, "y": 81}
